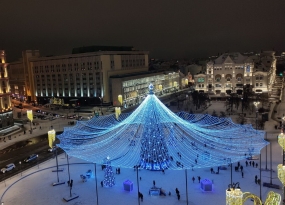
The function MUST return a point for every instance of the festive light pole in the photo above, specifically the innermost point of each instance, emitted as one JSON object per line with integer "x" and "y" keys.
{"x": 51, "y": 140}
{"x": 30, "y": 117}
{"x": 281, "y": 167}
{"x": 256, "y": 103}
{"x": 120, "y": 99}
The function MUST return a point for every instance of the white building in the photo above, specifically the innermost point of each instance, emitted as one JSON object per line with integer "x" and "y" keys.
{"x": 230, "y": 72}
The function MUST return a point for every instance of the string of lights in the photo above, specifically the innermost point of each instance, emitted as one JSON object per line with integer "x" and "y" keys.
{"x": 155, "y": 138}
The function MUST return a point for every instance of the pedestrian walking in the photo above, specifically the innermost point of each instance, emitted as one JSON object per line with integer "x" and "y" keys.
{"x": 238, "y": 164}
{"x": 193, "y": 179}
{"x": 101, "y": 183}
{"x": 199, "y": 178}
{"x": 256, "y": 165}
{"x": 119, "y": 170}
{"x": 212, "y": 170}
{"x": 246, "y": 163}
{"x": 40, "y": 127}
{"x": 258, "y": 181}
{"x": 253, "y": 164}
{"x": 178, "y": 196}
{"x": 249, "y": 163}
{"x": 153, "y": 182}
{"x": 140, "y": 178}
{"x": 177, "y": 191}
{"x": 242, "y": 174}
{"x": 241, "y": 168}
{"x": 169, "y": 193}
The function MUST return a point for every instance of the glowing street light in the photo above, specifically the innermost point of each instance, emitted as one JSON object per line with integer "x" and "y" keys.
{"x": 120, "y": 99}
{"x": 30, "y": 117}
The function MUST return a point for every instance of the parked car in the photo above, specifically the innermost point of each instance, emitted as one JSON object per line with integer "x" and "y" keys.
{"x": 51, "y": 149}
{"x": 8, "y": 167}
{"x": 31, "y": 158}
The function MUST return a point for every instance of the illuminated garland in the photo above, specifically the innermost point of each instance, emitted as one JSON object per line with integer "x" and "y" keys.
{"x": 155, "y": 138}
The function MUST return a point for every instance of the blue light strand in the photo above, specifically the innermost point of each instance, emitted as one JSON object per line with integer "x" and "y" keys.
{"x": 155, "y": 138}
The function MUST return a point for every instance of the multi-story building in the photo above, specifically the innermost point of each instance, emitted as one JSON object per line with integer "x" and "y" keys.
{"x": 84, "y": 74}
{"x": 17, "y": 80}
{"x": 6, "y": 113}
{"x": 231, "y": 72}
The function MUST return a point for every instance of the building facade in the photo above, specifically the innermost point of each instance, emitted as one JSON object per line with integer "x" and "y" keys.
{"x": 135, "y": 87}
{"x": 84, "y": 76}
{"x": 6, "y": 112}
{"x": 230, "y": 72}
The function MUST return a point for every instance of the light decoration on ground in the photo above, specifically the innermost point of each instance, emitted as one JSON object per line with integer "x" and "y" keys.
{"x": 281, "y": 167}
{"x": 272, "y": 198}
{"x": 234, "y": 195}
{"x": 109, "y": 178}
{"x": 117, "y": 112}
{"x": 155, "y": 138}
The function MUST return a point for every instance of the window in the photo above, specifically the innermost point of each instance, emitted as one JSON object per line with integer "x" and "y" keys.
{"x": 218, "y": 78}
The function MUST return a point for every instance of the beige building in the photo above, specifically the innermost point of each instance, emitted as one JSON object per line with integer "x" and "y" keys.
{"x": 83, "y": 75}
{"x": 6, "y": 111}
{"x": 230, "y": 72}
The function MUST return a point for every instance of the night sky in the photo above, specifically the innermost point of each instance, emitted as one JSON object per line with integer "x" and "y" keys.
{"x": 166, "y": 28}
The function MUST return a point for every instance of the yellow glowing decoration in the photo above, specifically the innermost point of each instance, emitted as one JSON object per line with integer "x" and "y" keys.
{"x": 273, "y": 198}
{"x": 234, "y": 196}
{"x": 30, "y": 115}
{"x": 174, "y": 84}
{"x": 160, "y": 87}
{"x": 248, "y": 195}
{"x": 281, "y": 173}
{"x": 281, "y": 140}
{"x": 186, "y": 81}
{"x": 51, "y": 138}
{"x": 117, "y": 112}
{"x": 120, "y": 99}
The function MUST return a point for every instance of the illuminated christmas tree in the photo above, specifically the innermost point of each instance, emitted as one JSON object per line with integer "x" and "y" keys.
{"x": 109, "y": 179}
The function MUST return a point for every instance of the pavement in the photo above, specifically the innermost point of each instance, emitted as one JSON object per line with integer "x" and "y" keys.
{"x": 34, "y": 186}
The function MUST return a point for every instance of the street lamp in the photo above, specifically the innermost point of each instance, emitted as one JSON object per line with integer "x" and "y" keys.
{"x": 51, "y": 140}
{"x": 120, "y": 99}
{"x": 256, "y": 103}
{"x": 30, "y": 117}
{"x": 20, "y": 163}
{"x": 234, "y": 195}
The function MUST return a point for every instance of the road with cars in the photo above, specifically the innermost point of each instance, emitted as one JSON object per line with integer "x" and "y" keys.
{"x": 20, "y": 151}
